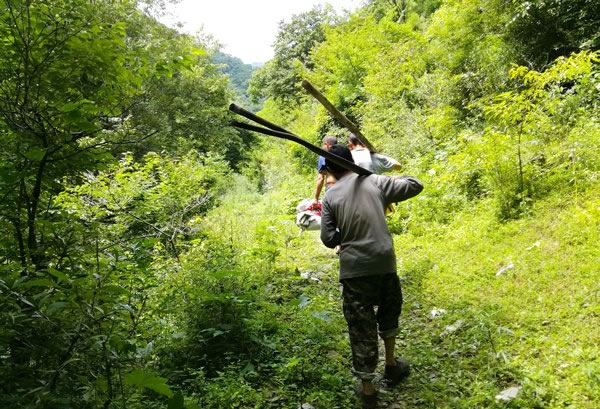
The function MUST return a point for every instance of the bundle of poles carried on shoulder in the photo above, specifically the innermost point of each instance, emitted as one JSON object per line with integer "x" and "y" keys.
{"x": 269, "y": 128}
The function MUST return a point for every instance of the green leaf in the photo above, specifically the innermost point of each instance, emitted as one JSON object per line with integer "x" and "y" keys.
{"x": 293, "y": 362}
{"x": 55, "y": 307}
{"x": 114, "y": 288}
{"x": 71, "y": 106}
{"x": 222, "y": 274}
{"x": 35, "y": 154}
{"x": 294, "y": 303}
{"x": 6, "y": 174}
{"x": 89, "y": 108}
{"x": 146, "y": 380}
{"x": 58, "y": 274}
{"x": 41, "y": 282}
{"x": 176, "y": 401}
{"x": 73, "y": 116}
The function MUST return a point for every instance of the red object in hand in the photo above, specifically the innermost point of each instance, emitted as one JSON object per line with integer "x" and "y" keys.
{"x": 315, "y": 208}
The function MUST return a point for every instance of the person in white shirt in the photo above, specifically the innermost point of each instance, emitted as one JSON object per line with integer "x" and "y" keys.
{"x": 374, "y": 162}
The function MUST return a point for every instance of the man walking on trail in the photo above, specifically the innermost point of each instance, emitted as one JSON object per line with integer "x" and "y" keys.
{"x": 328, "y": 141}
{"x": 374, "y": 162}
{"x": 353, "y": 217}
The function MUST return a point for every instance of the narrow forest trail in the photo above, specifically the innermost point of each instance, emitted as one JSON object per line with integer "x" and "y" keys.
{"x": 444, "y": 359}
{"x": 489, "y": 308}
{"x": 453, "y": 358}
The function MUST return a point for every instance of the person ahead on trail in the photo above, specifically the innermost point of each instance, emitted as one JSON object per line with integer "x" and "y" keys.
{"x": 353, "y": 217}
{"x": 374, "y": 162}
{"x": 328, "y": 141}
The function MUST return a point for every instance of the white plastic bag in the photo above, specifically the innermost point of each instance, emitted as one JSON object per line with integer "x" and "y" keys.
{"x": 306, "y": 217}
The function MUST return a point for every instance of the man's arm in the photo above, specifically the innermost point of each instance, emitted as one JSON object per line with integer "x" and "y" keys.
{"x": 330, "y": 236}
{"x": 397, "y": 189}
{"x": 383, "y": 163}
{"x": 321, "y": 178}
{"x": 320, "y": 182}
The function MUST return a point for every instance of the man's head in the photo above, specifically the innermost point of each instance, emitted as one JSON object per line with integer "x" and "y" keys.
{"x": 354, "y": 142}
{"x": 328, "y": 142}
{"x": 343, "y": 152}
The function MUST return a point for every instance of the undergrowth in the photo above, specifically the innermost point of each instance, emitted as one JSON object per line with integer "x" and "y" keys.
{"x": 488, "y": 305}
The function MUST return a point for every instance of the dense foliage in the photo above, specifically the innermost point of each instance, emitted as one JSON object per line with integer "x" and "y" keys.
{"x": 148, "y": 254}
{"x": 82, "y": 83}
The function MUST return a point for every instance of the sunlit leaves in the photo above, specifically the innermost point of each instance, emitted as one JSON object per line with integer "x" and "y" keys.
{"x": 144, "y": 379}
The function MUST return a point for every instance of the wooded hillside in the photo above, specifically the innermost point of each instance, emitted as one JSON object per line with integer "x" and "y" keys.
{"x": 239, "y": 75}
{"x": 148, "y": 252}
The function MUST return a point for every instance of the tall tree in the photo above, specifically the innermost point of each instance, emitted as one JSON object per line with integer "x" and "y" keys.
{"x": 78, "y": 88}
{"x": 280, "y": 77}
{"x": 68, "y": 78}
{"x": 81, "y": 83}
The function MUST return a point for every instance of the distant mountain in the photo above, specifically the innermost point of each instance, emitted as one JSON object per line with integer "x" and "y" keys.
{"x": 239, "y": 74}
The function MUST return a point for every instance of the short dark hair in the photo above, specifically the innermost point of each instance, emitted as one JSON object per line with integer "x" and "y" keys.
{"x": 355, "y": 141}
{"x": 330, "y": 140}
{"x": 343, "y": 152}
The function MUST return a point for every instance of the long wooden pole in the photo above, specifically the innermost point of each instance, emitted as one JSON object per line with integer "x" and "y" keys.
{"x": 337, "y": 114}
{"x": 253, "y": 117}
{"x": 294, "y": 138}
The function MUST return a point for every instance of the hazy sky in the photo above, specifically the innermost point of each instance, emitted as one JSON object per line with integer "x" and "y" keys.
{"x": 246, "y": 28}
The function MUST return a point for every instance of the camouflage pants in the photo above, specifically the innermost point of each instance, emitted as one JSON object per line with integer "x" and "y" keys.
{"x": 361, "y": 295}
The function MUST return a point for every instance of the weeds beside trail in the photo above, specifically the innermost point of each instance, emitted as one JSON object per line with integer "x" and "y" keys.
{"x": 488, "y": 306}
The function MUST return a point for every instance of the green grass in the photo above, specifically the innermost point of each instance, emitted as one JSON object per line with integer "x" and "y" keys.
{"x": 534, "y": 326}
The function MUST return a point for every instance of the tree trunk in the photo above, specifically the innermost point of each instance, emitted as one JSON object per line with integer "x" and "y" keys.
{"x": 16, "y": 222}
{"x": 35, "y": 253}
